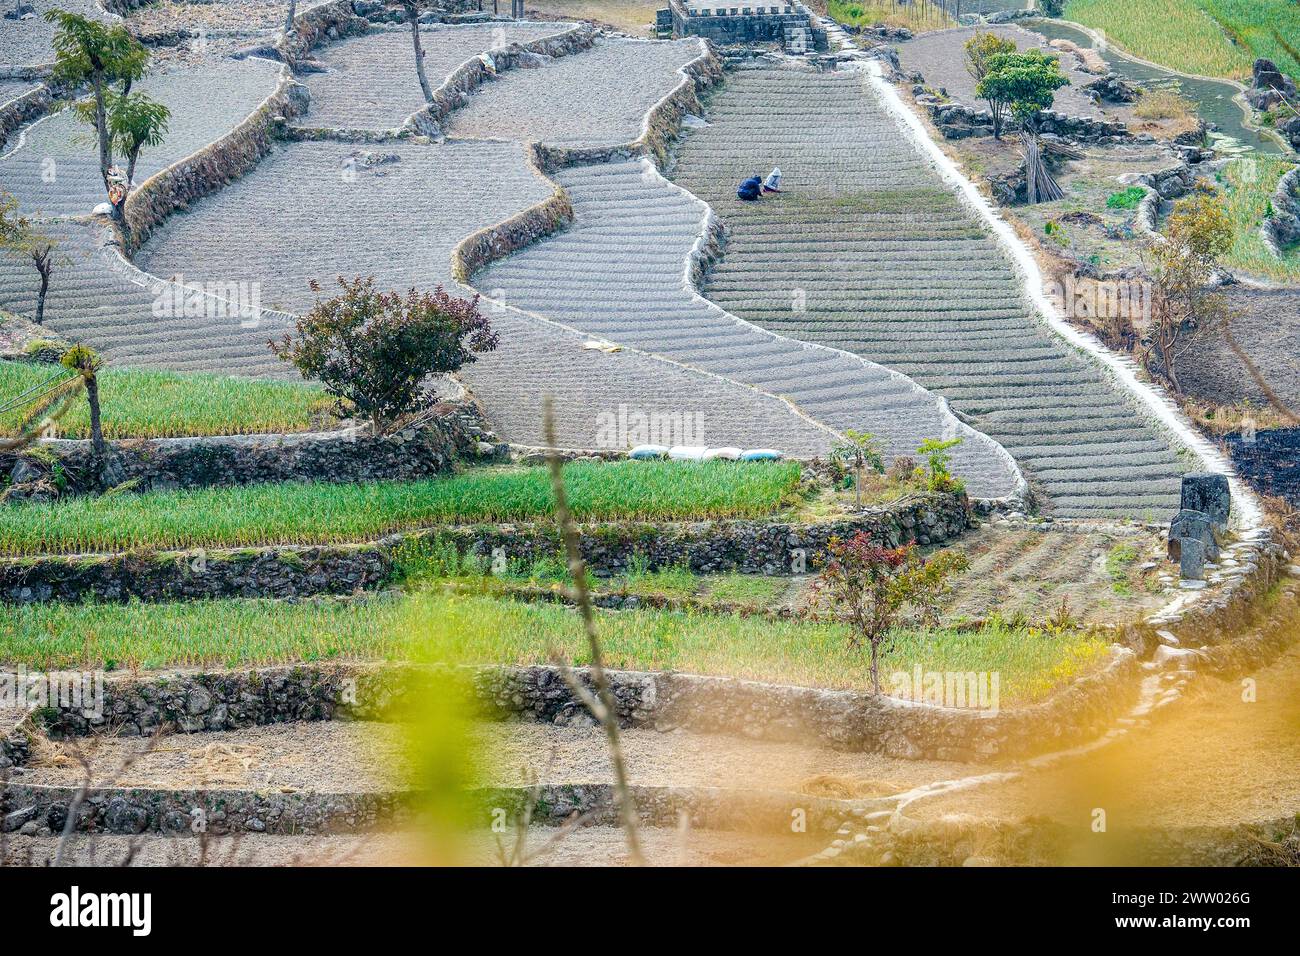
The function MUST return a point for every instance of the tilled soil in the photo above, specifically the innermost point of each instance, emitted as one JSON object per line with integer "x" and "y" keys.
{"x": 51, "y": 165}
{"x": 322, "y": 756}
{"x": 30, "y": 42}
{"x": 940, "y": 58}
{"x": 1266, "y": 325}
{"x": 884, "y": 261}
{"x": 596, "y": 98}
{"x": 682, "y": 758}
{"x": 370, "y": 81}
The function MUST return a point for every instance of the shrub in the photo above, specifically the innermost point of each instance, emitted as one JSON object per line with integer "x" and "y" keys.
{"x": 377, "y": 350}
{"x": 871, "y": 586}
{"x": 937, "y": 475}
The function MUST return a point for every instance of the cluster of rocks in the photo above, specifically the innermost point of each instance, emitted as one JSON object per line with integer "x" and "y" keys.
{"x": 1112, "y": 88}
{"x": 1281, "y": 228}
{"x": 880, "y": 32}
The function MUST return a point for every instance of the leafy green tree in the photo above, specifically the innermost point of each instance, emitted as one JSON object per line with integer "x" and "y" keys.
{"x": 983, "y": 45}
{"x": 870, "y": 587}
{"x": 1197, "y": 235}
{"x": 1021, "y": 85}
{"x": 135, "y": 121}
{"x": 110, "y": 60}
{"x": 376, "y": 351}
{"x": 858, "y": 452}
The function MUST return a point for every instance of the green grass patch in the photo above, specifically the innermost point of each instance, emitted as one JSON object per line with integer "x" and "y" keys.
{"x": 302, "y": 513}
{"x": 1129, "y": 198}
{"x": 481, "y": 629}
{"x": 1119, "y": 565}
{"x": 1206, "y": 37}
{"x": 201, "y": 633}
{"x": 144, "y": 404}
{"x": 474, "y": 629}
{"x": 1249, "y": 185}
{"x": 870, "y": 13}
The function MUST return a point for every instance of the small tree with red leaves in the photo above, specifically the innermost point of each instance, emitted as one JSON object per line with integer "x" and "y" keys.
{"x": 875, "y": 589}
{"x": 376, "y": 350}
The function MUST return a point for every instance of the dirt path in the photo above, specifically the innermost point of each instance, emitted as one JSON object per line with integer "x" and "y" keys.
{"x": 579, "y": 755}
{"x": 1215, "y": 760}
{"x": 586, "y": 847}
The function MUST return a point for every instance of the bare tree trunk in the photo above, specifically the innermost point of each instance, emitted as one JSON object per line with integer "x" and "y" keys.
{"x": 288, "y": 20}
{"x": 44, "y": 263}
{"x": 96, "y": 428}
{"x": 414, "y": 14}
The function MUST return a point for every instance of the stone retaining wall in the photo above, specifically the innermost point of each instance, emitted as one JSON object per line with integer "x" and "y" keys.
{"x": 23, "y": 109}
{"x": 661, "y": 126}
{"x": 455, "y": 90}
{"x": 144, "y": 810}
{"x": 708, "y": 547}
{"x": 1282, "y": 228}
{"x": 486, "y": 246}
{"x": 212, "y": 167}
{"x": 452, "y": 432}
{"x": 846, "y": 720}
{"x": 958, "y": 121}
{"x": 284, "y": 572}
{"x": 610, "y": 548}
{"x": 328, "y": 21}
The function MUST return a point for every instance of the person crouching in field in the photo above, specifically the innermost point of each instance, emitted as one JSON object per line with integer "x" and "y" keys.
{"x": 750, "y": 188}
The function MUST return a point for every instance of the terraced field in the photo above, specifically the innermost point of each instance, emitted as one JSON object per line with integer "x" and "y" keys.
{"x": 30, "y": 42}
{"x": 326, "y": 211}
{"x": 102, "y": 301}
{"x": 371, "y": 82}
{"x": 12, "y": 89}
{"x": 891, "y": 266}
{"x": 619, "y": 272}
{"x": 596, "y": 98}
{"x": 323, "y": 225}
{"x": 53, "y": 168}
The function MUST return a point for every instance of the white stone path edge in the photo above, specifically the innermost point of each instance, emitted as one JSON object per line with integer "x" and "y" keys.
{"x": 1247, "y": 517}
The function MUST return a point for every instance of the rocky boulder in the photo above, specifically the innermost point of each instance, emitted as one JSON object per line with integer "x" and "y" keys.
{"x": 1113, "y": 89}
{"x": 1269, "y": 86}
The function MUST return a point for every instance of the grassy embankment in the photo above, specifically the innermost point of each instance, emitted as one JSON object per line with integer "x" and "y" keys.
{"x": 483, "y": 629}
{"x": 144, "y": 404}
{"x": 306, "y": 513}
